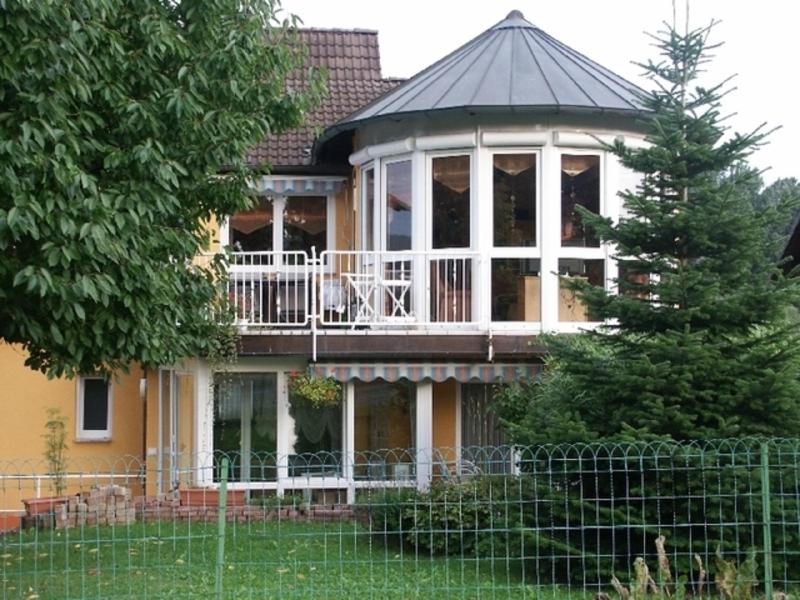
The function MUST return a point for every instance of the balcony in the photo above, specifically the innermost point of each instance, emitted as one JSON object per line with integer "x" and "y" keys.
{"x": 354, "y": 290}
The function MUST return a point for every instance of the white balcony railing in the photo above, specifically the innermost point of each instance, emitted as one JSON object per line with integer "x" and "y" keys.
{"x": 353, "y": 289}
{"x": 401, "y": 288}
{"x": 270, "y": 288}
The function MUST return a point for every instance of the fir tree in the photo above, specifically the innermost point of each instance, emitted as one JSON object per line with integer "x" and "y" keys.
{"x": 698, "y": 344}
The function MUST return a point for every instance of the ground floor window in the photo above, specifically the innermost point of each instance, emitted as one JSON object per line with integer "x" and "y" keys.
{"x": 94, "y": 408}
{"x": 484, "y": 443}
{"x": 384, "y": 429}
{"x": 246, "y": 424}
{"x": 316, "y": 440}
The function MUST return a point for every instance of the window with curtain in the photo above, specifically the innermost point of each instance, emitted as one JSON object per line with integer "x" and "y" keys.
{"x": 246, "y": 423}
{"x": 514, "y": 200}
{"x": 251, "y": 230}
{"x": 305, "y": 223}
{"x": 451, "y": 201}
{"x": 317, "y": 438}
{"x": 580, "y": 186}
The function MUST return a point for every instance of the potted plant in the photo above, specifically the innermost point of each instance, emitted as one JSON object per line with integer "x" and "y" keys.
{"x": 55, "y": 453}
{"x": 318, "y": 391}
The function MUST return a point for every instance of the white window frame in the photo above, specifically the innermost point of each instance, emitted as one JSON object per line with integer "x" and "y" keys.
{"x": 278, "y": 208}
{"x": 381, "y": 243}
{"x": 92, "y": 435}
{"x": 284, "y": 430}
{"x": 516, "y": 252}
{"x": 583, "y": 251}
{"x": 600, "y": 252}
{"x": 473, "y": 214}
{"x": 519, "y": 251}
{"x": 365, "y": 227}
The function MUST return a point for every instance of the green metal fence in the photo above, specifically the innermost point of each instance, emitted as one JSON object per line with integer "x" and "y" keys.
{"x": 571, "y": 521}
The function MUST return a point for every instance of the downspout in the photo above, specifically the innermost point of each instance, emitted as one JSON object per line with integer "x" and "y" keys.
{"x": 314, "y": 278}
{"x": 143, "y": 398}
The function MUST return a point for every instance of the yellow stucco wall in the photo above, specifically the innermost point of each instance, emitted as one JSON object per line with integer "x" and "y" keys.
{"x": 25, "y": 397}
{"x": 445, "y": 396}
{"x": 345, "y": 218}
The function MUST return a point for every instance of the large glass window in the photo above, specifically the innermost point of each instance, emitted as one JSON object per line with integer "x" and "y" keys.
{"x": 580, "y": 186}
{"x": 451, "y": 202}
{"x": 514, "y": 199}
{"x": 398, "y": 205}
{"x": 516, "y": 289}
{"x": 305, "y": 223}
{"x": 251, "y": 230}
{"x": 246, "y": 423}
{"x": 570, "y": 307}
{"x": 368, "y": 211}
{"x": 384, "y": 429}
{"x": 317, "y": 438}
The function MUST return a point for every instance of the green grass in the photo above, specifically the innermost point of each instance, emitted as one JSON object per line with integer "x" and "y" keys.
{"x": 263, "y": 560}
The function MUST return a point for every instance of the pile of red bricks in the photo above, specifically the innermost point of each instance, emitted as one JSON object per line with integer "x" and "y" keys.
{"x": 115, "y": 505}
{"x": 165, "y": 507}
{"x": 102, "y": 505}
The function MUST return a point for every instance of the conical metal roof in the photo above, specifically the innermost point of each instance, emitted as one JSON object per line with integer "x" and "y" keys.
{"x": 513, "y": 66}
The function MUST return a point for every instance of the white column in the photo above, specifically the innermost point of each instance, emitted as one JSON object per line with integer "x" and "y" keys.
{"x": 420, "y": 236}
{"x": 483, "y": 233}
{"x": 349, "y": 418}
{"x": 613, "y": 186}
{"x": 424, "y": 440}
{"x": 203, "y": 424}
{"x": 550, "y": 208}
{"x": 285, "y": 428}
{"x": 278, "y": 207}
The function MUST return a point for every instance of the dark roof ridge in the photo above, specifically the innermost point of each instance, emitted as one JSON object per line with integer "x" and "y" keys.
{"x": 337, "y": 30}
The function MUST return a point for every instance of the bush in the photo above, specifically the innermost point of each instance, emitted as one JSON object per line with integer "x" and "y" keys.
{"x": 579, "y": 514}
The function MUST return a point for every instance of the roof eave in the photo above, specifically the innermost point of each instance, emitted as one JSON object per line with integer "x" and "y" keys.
{"x": 350, "y": 125}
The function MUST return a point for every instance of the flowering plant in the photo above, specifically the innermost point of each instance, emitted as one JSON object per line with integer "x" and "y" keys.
{"x": 318, "y": 391}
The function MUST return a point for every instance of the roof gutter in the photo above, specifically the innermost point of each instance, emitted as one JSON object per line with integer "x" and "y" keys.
{"x": 350, "y": 125}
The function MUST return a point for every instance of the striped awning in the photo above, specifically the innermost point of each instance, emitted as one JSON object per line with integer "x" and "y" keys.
{"x": 463, "y": 372}
{"x": 313, "y": 186}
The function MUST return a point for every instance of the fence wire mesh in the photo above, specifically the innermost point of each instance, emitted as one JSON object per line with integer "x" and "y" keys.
{"x": 571, "y": 521}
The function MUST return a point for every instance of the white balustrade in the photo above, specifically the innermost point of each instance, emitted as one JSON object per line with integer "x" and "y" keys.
{"x": 349, "y": 289}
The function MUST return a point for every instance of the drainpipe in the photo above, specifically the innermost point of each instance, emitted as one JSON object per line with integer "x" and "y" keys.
{"x": 313, "y": 310}
{"x": 490, "y": 350}
{"x": 143, "y": 398}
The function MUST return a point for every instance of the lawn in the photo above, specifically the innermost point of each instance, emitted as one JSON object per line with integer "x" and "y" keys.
{"x": 263, "y": 560}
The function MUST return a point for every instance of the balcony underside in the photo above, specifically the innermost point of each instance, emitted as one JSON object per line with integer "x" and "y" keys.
{"x": 353, "y": 345}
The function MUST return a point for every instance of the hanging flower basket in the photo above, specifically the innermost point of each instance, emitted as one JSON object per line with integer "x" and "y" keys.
{"x": 317, "y": 391}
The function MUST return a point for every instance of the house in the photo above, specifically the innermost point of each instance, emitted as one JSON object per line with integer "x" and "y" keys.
{"x": 413, "y": 250}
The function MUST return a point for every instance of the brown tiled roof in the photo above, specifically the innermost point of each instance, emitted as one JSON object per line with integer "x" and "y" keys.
{"x": 352, "y": 60}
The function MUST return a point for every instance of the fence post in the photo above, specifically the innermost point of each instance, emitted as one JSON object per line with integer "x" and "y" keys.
{"x": 766, "y": 517}
{"x": 221, "y": 506}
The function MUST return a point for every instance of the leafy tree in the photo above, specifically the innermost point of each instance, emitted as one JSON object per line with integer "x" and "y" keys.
{"x": 124, "y": 129}
{"x": 698, "y": 344}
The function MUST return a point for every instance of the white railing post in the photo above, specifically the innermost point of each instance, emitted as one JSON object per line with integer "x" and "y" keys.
{"x": 316, "y": 273}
